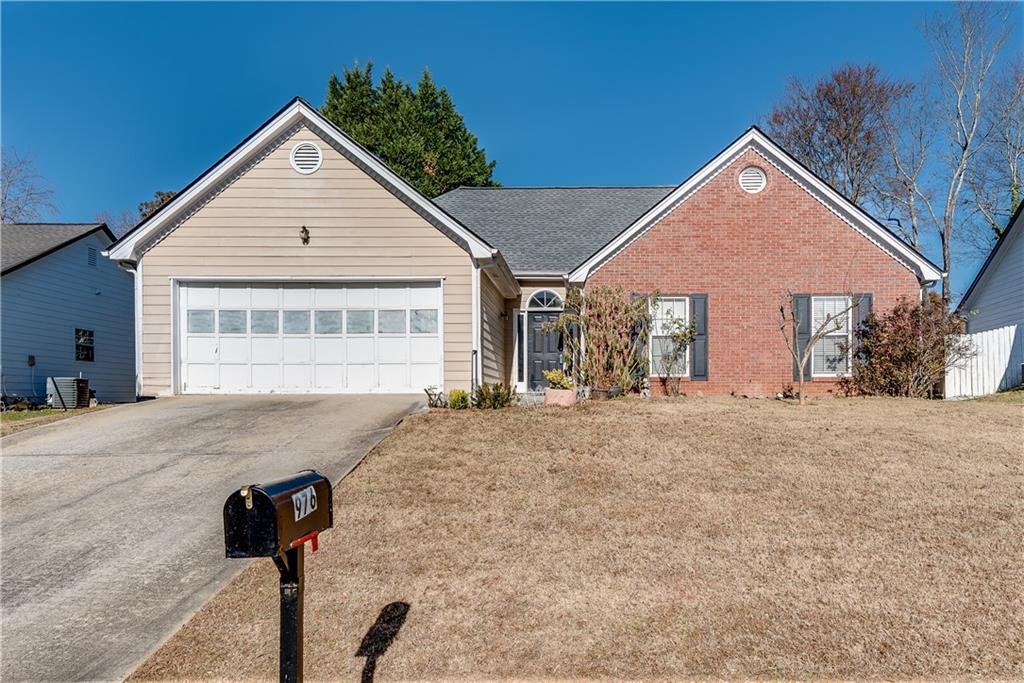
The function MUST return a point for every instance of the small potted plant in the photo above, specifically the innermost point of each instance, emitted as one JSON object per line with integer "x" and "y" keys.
{"x": 561, "y": 391}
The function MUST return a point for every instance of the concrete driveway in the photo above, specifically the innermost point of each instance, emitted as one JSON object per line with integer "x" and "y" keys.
{"x": 111, "y": 521}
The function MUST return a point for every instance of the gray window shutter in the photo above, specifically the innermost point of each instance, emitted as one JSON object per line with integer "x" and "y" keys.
{"x": 637, "y": 335}
{"x": 699, "y": 348}
{"x": 861, "y": 311}
{"x": 802, "y": 308}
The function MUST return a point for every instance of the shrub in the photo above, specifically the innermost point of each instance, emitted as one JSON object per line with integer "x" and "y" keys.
{"x": 557, "y": 379}
{"x": 458, "y": 399}
{"x": 675, "y": 337}
{"x": 615, "y": 327}
{"x": 493, "y": 396}
{"x": 906, "y": 351}
{"x": 435, "y": 398}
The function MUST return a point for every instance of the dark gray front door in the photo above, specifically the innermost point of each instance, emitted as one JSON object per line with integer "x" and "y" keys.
{"x": 544, "y": 349}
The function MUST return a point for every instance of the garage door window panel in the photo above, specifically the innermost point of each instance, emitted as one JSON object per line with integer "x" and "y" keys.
{"x": 423, "y": 321}
{"x": 232, "y": 322}
{"x": 265, "y": 322}
{"x": 200, "y": 322}
{"x": 296, "y": 322}
{"x": 359, "y": 322}
{"x": 328, "y": 322}
{"x": 391, "y": 322}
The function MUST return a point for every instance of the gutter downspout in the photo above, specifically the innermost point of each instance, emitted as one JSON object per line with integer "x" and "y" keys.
{"x": 136, "y": 271}
{"x": 476, "y": 366}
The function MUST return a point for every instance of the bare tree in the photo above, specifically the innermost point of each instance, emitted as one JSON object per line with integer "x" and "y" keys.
{"x": 119, "y": 223}
{"x": 996, "y": 181}
{"x": 909, "y": 133}
{"x": 966, "y": 48}
{"x": 836, "y": 126}
{"x": 26, "y": 196}
{"x": 792, "y": 318}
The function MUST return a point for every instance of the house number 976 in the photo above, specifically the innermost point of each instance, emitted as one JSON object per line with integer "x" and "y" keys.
{"x": 304, "y": 502}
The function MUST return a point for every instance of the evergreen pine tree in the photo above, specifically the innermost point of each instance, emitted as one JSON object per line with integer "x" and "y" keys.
{"x": 418, "y": 133}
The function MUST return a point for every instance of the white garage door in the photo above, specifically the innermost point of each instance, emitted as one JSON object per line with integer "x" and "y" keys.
{"x": 251, "y": 338}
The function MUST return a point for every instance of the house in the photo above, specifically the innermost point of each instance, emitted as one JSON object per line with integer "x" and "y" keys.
{"x": 299, "y": 262}
{"x": 65, "y": 311}
{"x": 996, "y": 296}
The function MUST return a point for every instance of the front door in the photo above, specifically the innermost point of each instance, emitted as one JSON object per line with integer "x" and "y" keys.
{"x": 544, "y": 350}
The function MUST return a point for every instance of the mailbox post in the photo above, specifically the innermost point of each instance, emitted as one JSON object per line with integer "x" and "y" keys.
{"x": 276, "y": 520}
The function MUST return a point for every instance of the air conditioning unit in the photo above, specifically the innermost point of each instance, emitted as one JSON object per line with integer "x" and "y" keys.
{"x": 67, "y": 392}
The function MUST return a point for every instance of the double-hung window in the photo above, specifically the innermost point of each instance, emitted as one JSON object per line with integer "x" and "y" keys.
{"x": 85, "y": 345}
{"x": 830, "y": 356}
{"x": 669, "y": 316}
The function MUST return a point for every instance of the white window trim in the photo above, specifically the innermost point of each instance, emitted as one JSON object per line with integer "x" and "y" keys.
{"x": 559, "y": 307}
{"x": 849, "y": 338}
{"x": 650, "y": 341}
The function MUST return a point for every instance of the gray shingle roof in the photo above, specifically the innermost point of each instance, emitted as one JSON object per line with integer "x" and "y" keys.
{"x": 549, "y": 229}
{"x": 23, "y": 242}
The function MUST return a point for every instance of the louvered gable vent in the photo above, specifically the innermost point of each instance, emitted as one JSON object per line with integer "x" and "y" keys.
{"x": 752, "y": 179}
{"x": 306, "y": 158}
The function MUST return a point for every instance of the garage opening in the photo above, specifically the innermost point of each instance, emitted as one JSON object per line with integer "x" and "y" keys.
{"x": 258, "y": 338}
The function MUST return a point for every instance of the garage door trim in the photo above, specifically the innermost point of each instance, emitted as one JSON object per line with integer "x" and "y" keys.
{"x": 176, "y": 280}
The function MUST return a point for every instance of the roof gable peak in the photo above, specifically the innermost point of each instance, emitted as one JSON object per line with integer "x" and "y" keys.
{"x": 756, "y": 139}
{"x": 296, "y": 112}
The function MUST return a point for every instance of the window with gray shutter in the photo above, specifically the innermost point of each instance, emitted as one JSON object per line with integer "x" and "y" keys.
{"x": 668, "y": 316}
{"x": 830, "y": 356}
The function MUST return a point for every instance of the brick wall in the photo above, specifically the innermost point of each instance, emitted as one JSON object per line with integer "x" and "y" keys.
{"x": 744, "y": 250}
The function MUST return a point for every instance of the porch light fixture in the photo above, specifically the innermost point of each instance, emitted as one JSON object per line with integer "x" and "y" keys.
{"x": 304, "y": 235}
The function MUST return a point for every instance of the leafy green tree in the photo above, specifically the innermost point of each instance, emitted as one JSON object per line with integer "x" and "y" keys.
{"x": 417, "y": 132}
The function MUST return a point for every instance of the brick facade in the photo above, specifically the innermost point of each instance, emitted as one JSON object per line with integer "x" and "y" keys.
{"x": 744, "y": 250}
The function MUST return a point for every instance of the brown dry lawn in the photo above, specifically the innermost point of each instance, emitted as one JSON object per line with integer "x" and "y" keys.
{"x": 12, "y": 421}
{"x": 663, "y": 539}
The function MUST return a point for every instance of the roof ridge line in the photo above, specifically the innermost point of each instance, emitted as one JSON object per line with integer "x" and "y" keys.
{"x": 563, "y": 187}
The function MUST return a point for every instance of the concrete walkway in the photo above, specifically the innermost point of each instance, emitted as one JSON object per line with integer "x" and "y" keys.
{"x": 111, "y": 522}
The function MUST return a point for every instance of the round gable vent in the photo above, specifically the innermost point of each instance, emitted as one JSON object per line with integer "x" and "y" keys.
{"x": 753, "y": 179}
{"x": 306, "y": 158}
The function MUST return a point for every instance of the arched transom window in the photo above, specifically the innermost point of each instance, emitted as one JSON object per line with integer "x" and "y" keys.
{"x": 545, "y": 298}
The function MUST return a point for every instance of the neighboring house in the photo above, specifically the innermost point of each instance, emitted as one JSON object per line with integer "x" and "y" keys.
{"x": 65, "y": 311}
{"x": 996, "y": 296}
{"x": 300, "y": 262}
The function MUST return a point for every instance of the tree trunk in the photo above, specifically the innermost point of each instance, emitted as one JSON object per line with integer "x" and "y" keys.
{"x": 947, "y": 294}
{"x": 800, "y": 383}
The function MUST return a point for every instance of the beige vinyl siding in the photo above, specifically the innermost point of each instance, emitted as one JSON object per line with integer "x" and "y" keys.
{"x": 251, "y": 229}
{"x": 492, "y": 332}
{"x": 528, "y": 288}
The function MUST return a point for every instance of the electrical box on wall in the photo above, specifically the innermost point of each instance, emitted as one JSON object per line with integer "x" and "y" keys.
{"x": 31, "y": 361}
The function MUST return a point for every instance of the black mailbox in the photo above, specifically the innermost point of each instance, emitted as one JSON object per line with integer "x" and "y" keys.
{"x": 276, "y": 520}
{"x": 266, "y": 520}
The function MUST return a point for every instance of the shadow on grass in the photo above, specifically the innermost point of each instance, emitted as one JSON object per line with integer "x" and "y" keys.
{"x": 378, "y": 639}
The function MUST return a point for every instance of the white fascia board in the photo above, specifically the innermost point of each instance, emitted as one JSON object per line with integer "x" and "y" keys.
{"x": 129, "y": 249}
{"x": 839, "y": 205}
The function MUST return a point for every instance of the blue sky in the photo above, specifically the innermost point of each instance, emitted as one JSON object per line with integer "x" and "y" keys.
{"x": 115, "y": 101}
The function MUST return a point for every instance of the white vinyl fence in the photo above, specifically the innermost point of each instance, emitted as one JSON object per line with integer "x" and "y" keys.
{"x": 994, "y": 367}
